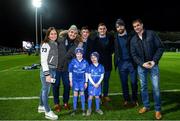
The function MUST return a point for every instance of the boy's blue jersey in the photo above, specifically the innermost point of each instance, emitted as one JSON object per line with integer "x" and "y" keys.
{"x": 78, "y": 69}
{"x": 96, "y": 72}
{"x": 95, "y": 75}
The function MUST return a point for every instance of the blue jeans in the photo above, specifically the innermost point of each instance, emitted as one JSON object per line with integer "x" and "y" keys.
{"x": 106, "y": 83}
{"x": 126, "y": 68}
{"x": 45, "y": 89}
{"x": 65, "y": 80}
{"x": 154, "y": 75}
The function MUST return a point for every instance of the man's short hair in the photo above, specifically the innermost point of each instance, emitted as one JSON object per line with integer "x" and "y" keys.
{"x": 137, "y": 20}
{"x": 101, "y": 24}
{"x": 85, "y": 28}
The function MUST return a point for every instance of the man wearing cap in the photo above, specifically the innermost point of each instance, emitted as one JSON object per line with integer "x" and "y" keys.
{"x": 66, "y": 46}
{"x": 124, "y": 62}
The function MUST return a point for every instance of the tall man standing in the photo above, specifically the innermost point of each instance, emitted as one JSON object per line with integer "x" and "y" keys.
{"x": 104, "y": 45}
{"x": 125, "y": 64}
{"x": 146, "y": 50}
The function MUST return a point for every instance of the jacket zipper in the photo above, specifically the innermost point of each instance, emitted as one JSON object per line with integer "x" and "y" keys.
{"x": 51, "y": 59}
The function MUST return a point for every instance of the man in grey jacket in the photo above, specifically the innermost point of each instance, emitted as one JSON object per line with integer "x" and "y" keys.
{"x": 66, "y": 46}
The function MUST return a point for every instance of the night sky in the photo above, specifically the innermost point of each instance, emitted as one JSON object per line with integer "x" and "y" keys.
{"x": 18, "y": 16}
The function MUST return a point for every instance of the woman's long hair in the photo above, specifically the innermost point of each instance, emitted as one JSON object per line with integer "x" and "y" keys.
{"x": 46, "y": 39}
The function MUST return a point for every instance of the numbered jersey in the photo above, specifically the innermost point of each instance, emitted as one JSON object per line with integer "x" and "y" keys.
{"x": 95, "y": 72}
{"x": 78, "y": 69}
{"x": 49, "y": 56}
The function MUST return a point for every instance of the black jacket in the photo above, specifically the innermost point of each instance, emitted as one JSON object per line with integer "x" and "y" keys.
{"x": 153, "y": 48}
{"x": 105, "y": 51}
{"x": 65, "y": 55}
{"x": 88, "y": 50}
{"x": 117, "y": 49}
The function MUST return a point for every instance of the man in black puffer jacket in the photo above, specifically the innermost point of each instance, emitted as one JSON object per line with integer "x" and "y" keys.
{"x": 67, "y": 43}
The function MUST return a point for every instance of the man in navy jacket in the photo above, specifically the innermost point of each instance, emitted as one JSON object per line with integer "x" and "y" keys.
{"x": 146, "y": 50}
{"x": 124, "y": 62}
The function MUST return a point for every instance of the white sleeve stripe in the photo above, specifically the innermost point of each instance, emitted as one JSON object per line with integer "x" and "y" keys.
{"x": 44, "y": 56}
{"x": 90, "y": 79}
{"x": 70, "y": 76}
{"x": 86, "y": 77}
{"x": 100, "y": 80}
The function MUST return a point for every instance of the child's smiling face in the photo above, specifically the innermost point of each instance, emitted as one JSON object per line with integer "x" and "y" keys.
{"x": 79, "y": 55}
{"x": 94, "y": 59}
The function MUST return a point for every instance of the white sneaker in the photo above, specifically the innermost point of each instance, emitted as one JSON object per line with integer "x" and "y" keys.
{"x": 41, "y": 109}
{"x": 50, "y": 115}
{"x": 100, "y": 112}
{"x": 88, "y": 112}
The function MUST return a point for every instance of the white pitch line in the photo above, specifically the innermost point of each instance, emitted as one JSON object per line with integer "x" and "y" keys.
{"x": 23, "y": 98}
{"x": 36, "y": 97}
{"x": 9, "y": 69}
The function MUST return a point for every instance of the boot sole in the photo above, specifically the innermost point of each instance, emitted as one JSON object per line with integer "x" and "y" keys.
{"x": 47, "y": 117}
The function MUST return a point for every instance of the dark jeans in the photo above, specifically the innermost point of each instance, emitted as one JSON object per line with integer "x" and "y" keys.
{"x": 86, "y": 94}
{"x": 65, "y": 80}
{"x": 106, "y": 83}
{"x": 126, "y": 68}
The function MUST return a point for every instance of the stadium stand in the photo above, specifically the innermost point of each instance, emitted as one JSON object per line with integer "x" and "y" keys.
{"x": 10, "y": 51}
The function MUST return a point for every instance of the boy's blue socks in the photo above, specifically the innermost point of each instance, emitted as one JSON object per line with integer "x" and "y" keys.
{"x": 75, "y": 102}
{"x": 83, "y": 102}
{"x": 89, "y": 103}
{"x": 97, "y": 103}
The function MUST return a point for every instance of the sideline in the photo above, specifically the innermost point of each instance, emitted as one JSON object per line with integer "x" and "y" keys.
{"x": 36, "y": 97}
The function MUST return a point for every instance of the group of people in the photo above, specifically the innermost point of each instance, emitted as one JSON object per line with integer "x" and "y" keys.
{"x": 84, "y": 62}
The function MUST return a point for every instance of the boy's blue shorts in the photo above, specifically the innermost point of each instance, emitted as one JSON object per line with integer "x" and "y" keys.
{"x": 78, "y": 86}
{"x": 92, "y": 91}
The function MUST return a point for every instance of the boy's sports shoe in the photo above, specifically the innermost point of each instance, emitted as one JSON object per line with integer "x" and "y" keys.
{"x": 83, "y": 113}
{"x": 73, "y": 113}
{"x": 50, "y": 115}
{"x": 41, "y": 109}
{"x": 88, "y": 113}
{"x": 100, "y": 112}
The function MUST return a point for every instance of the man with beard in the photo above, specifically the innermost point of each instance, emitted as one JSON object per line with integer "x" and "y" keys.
{"x": 124, "y": 62}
